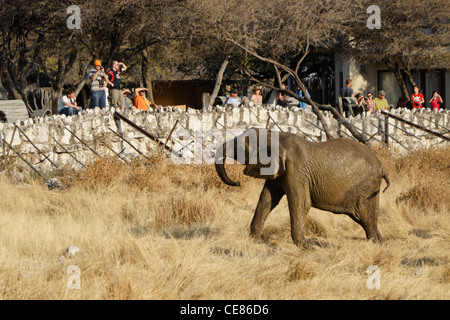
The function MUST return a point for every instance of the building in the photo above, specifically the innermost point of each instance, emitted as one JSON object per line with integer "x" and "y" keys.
{"x": 375, "y": 76}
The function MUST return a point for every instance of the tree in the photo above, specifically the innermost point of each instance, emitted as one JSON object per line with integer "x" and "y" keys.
{"x": 16, "y": 32}
{"x": 147, "y": 34}
{"x": 281, "y": 34}
{"x": 33, "y": 39}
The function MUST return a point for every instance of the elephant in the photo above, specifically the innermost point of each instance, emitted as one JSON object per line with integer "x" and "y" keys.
{"x": 339, "y": 175}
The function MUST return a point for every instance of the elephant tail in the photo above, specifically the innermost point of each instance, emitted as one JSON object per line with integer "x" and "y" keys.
{"x": 388, "y": 181}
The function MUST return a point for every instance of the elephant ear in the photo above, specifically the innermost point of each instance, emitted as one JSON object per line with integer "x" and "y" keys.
{"x": 271, "y": 158}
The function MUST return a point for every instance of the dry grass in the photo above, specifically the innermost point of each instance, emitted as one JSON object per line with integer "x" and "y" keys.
{"x": 164, "y": 231}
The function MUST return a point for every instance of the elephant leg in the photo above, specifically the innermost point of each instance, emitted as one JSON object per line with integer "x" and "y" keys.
{"x": 268, "y": 200}
{"x": 299, "y": 206}
{"x": 370, "y": 227}
{"x": 367, "y": 216}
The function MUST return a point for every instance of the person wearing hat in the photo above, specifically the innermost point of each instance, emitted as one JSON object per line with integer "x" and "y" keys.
{"x": 127, "y": 100}
{"x": 233, "y": 99}
{"x": 380, "y": 101}
{"x": 99, "y": 80}
{"x": 256, "y": 98}
{"x": 140, "y": 100}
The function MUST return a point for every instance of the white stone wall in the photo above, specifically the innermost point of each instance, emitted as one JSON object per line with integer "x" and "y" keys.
{"x": 92, "y": 127}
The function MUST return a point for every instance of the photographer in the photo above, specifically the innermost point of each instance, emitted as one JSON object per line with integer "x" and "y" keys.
{"x": 435, "y": 100}
{"x": 99, "y": 80}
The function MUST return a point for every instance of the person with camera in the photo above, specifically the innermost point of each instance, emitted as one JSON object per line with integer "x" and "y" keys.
{"x": 435, "y": 100}
{"x": 99, "y": 80}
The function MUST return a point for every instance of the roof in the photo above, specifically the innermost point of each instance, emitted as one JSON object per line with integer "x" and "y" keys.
{"x": 14, "y": 110}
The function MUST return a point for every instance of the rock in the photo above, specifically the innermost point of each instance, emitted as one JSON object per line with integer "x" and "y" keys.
{"x": 53, "y": 184}
{"x": 72, "y": 251}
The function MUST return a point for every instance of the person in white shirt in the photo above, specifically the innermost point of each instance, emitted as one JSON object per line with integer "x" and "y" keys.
{"x": 67, "y": 104}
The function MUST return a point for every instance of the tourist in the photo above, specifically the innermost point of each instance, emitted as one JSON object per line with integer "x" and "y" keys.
{"x": 140, "y": 100}
{"x": 381, "y": 102}
{"x": 370, "y": 103}
{"x": 117, "y": 99}
{"x": 435, "y": 100}
{"x": 67, "y": 104}
{"x": 417, "y": 98}
{"x": 302, "y": 104}
{"x": 98, "y": 82}
{"x": 256, "y": 98}
{"x": 233, "y": 99}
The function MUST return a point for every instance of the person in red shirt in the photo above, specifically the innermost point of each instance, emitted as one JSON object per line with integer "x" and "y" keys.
{"x": 417, "y": 98}
{"x": 435, "y": 100}
{"x": 141, "y": 102}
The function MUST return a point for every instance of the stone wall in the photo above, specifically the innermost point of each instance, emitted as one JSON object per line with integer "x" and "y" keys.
{"x": 93, "y": 128}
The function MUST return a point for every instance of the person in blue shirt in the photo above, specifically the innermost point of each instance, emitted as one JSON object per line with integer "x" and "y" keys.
{"x": 300, "y": 93}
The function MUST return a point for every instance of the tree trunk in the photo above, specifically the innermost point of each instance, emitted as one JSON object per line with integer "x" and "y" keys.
{"x": 80, "y": 86}
{"x": 61, "y": 75}
{"x": 218, "y": 83}
{"x": 410, "y": 77}
{"x": 146, "y": 74}
{"x": 401, "y": 83}
{"x": 17, "y": 89}
{"x": 9, "y": 84}
{"x": 394, "y": 67}
{"x": 85, "y": 79}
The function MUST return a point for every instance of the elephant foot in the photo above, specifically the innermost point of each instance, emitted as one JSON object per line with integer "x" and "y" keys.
{"x": 258, "y": 237}
{"x": 375, "y": 236}
{"x": 378, "y": 239}
{"x": 256, "y": 233}
{"x": 306, "y": 246}
{"x": 302, "y": 243}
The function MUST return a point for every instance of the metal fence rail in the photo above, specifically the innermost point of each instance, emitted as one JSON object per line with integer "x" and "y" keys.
{"x": 414, "y": 125}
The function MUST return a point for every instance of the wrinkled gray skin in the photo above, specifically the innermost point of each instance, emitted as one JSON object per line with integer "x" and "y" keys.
{"x": 340, "y": 175}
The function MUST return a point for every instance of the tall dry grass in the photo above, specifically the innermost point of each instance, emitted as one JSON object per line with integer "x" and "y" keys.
{"x": 156, "y": 230}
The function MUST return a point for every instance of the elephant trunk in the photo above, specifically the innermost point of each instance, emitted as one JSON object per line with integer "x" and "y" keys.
{"x": 220, "y": 168}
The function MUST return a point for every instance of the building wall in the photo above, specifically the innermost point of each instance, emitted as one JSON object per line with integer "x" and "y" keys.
{"x": 364, "y": 76}
{"x": 187, "y": 93}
